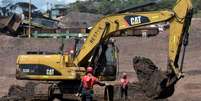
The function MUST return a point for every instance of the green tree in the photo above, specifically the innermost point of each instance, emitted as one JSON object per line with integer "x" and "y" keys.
{"x": 111, "y": 6}
{"x": 196, "y": 5}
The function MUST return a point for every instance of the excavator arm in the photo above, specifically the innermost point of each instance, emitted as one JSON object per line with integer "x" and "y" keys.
{"x": 178, "y": 35}
{"x": 108, "y": 25}
{"x": 179, "y": 18}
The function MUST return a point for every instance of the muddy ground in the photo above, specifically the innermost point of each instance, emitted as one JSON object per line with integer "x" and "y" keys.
{"x": 155, "y": 48}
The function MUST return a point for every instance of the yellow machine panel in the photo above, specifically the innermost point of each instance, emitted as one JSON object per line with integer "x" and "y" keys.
{"x": 47, "y": 67}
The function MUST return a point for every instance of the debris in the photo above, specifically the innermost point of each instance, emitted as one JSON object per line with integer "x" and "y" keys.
{"x": 152, "y": 80}
{"x": 10, "y": 23}
{"x": 19, "y": 93}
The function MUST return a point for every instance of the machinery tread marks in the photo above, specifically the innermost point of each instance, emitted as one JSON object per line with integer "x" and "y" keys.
{"x": 30, "y": 89}
{"x": 153, "y": 80}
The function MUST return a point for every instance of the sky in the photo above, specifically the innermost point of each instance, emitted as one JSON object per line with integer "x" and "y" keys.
{"x": 42, "y": 4}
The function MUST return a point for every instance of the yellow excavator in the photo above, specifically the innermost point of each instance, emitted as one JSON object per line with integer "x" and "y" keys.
{"x": 67, "y": 69}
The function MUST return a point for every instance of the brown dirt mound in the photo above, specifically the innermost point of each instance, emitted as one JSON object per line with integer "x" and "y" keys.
{"x": 19, "y": 93}
{"x": 152, "y": 80}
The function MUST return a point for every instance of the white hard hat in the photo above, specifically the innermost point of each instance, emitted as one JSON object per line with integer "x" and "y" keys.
{"x": 112, "y": 40}
{"x": 80, "y": 35}
{"x": 90, "y": 27}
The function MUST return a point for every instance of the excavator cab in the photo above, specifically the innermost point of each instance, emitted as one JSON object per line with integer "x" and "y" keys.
{"x": 106, "y": 61}
{"x": 105, "y": 58}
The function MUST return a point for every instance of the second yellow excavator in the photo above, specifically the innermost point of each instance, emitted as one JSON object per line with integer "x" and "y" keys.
{"x": 66, "y": 70}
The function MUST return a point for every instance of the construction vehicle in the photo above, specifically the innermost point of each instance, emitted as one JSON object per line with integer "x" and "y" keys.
{"x": 66, "y": 70}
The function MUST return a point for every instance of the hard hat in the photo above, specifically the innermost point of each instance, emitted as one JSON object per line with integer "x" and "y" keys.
{"x": 80, "y": 35}
{"x": 89, "y": 27}
{"x": 71, "y": 51}
{"x": 124, "y": 75}
{"x": 89, "y": 70}
{"x": 112, "y": 40}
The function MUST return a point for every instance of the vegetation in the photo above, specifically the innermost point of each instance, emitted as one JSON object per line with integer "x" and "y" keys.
{"x": 111, "y": 6}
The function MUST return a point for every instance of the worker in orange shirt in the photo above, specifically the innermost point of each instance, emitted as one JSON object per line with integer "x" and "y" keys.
{"x": 87, "y": 83}
{"x": 124, "y": 86}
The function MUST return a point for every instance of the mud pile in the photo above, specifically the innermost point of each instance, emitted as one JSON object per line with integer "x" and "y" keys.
{"x": 19, "y": 93}
{"x": 152, "y": 80}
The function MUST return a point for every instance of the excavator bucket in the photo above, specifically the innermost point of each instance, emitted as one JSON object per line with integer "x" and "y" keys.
{"x": 153, "y": 81}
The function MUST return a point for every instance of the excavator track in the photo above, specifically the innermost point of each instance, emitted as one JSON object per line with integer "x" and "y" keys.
{"x": 152, "y": 80}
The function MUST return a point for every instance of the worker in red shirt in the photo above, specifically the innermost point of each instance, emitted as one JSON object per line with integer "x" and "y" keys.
{"x": 124, "y": 86}
{"x": 87, "y": 83}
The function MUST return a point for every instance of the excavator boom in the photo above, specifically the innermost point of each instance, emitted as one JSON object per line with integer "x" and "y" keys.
{"x": 179, "y": 26}
{"x": 108, "y": 25}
